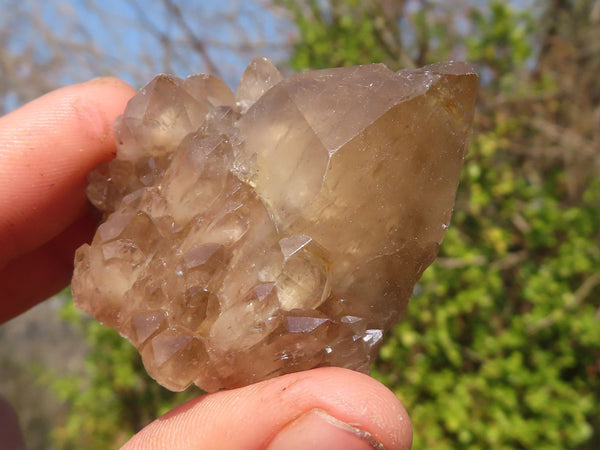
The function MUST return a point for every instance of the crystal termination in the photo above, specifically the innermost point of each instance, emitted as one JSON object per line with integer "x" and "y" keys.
{"x": 274, "y": 230}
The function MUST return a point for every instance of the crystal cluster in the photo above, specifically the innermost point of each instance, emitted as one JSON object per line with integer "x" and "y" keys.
{"x": 277, "y": 229}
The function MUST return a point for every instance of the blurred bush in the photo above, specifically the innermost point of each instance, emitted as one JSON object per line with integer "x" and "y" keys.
{"x": 500, "y": 347}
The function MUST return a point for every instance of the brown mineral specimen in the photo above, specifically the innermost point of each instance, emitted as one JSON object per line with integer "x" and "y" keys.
{"x": 276, "y": 230}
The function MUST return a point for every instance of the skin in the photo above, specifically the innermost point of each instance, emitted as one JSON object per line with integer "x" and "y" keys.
{"x": 47, "y": 147}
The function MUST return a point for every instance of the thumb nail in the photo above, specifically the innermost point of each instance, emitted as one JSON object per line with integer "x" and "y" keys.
{"x": 317, "y": 430}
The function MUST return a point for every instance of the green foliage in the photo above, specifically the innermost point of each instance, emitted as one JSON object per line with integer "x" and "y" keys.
{"x": 501, "y": 37}
{"x": 339, "y": 36}
{"x": 500, "y": 348}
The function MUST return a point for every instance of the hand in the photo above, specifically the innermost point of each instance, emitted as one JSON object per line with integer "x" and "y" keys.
{"x": 47, "y": 148}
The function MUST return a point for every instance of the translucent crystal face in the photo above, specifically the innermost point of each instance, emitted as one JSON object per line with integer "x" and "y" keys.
{"x": 278, "y": 229}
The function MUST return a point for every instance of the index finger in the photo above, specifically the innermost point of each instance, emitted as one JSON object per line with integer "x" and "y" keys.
{"x": 47, "y": 147}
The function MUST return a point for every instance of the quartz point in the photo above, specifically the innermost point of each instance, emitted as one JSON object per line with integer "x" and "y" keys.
{"x": 274, "y": 230}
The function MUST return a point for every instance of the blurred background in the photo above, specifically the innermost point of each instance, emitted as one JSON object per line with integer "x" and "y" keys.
{"x": 500, "y": 347}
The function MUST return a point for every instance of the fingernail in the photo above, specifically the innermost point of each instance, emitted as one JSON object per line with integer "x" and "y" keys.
{"x": 316, "y": 430}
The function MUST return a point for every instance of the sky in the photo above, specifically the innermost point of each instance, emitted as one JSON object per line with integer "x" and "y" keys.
{"x": 126, "y": 38}
{"x": 117, "y": 29}
{"x": 125, "y": 35}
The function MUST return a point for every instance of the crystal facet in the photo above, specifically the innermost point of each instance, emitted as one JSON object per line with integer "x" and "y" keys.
{"x": 275, "y": 230}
